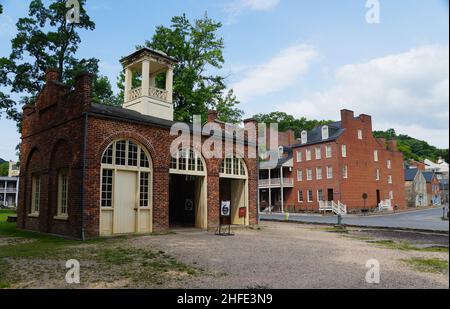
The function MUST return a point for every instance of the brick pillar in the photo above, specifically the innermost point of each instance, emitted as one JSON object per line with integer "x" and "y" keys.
{"x": 83, "y": 88}
{"x": 51, "y": 75}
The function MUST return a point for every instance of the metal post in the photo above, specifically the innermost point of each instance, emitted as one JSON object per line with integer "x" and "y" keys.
{"x": 270, "y": 192}
{"x": 282, "y": 189}
{"x": 4, "y": 195}
{"x": 17, "y": 192}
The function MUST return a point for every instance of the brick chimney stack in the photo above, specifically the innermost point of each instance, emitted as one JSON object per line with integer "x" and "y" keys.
{"x": 212, "y": 115}
{"x": 346, "y": 117}
{"x": 51, "y": 75}
{"x": 83, "y": 87}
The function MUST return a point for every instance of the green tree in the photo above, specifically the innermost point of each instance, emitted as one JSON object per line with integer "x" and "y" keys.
{"x": 4, "y": 169}
{"x": 45, "y": 39}
{"x": 286, "y": 122}
{"x": 200, "y": 51}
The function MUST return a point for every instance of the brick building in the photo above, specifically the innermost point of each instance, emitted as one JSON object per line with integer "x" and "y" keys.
{"x": 343, "y": 160}
{"x": 93, "y": 170}
{"x": 433, "y": 188}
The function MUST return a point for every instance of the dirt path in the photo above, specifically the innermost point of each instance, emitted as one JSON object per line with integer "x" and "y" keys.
{"x": 292, "y": 256}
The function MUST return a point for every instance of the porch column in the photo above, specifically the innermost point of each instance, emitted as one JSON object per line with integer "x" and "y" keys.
{"x": 145, "y": 77}
{"x": 128, "y": 84}
{"x": 282, "y": 189}
{"x": 169, "y": 84}
{"x": 17, "y": 192}
{"x": 270, "y": 192}
{"x": 4, "y": 195}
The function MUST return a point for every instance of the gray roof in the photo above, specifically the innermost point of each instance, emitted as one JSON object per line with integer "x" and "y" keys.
{"x": 429, "y": 176}
{"x": 264, "y": 165}
{"x": 410, "y": 174}
{"x": 127, "y": 114}
{"x": 120, "y": 113}
{"x": 151, "y": 51}
{"x": 315, "y": 135}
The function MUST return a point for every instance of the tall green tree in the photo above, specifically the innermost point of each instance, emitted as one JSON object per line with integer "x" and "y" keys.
{"x": 198, "y": 47}
{"x": 45, "y": 39}
{"x": 286, "y": 122}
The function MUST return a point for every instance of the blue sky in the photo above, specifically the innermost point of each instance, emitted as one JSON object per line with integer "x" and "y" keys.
{"x": 308, "y": 58}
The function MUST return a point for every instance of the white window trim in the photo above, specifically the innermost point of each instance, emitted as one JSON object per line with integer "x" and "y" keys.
{"x": 344, "y": 151}
{"x": 298, "y": 196}
{"x": 360, "y": 134}
{"x": 318, "y": 196}
{"x": 377, "y": 174}
{"x": 60, "y": 215}
{"x": 308, "y": 155}
{"x": 328, "y": 151}
{"x": 319, "y": 175}
{"x": 375, "y": 156}
{"x": 345, "y": 172}
{"x": 309, "y": 174}
{"x": 389, "y": 164}
{"x": 390, "y": 180}
{"x": 330, "y": 172}
{"x": 318, "y": 151}
{"x": 35, "y": 196}
{"x": 299, "y": 175}
{"x": 299, "y": 156}
{"x": 308, "y": 196}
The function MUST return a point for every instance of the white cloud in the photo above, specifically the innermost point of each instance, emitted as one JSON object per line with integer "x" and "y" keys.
{"x": 236, "y": 7}
{"x": 277, "y": 73}
{"x": 408, "y": 91}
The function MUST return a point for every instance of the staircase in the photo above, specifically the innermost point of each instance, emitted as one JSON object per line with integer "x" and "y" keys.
{"x": 385, "y": 205}
{"x": 337, "y": 208}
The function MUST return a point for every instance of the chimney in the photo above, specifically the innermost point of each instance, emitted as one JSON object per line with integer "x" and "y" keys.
{"x": 83, "y": 87}
{"x": 346, "y": 117}
{"x": 291, "y": 134}
{"x": 212, "y": 115}
{"x": 393, "y": 145}
{"x": 51, "y": 75}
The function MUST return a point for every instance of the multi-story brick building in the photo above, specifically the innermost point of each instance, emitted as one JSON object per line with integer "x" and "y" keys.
{"x": 92, "y": 170}
{"x": 343, "y": 160}
{"x": 433, "y": 188}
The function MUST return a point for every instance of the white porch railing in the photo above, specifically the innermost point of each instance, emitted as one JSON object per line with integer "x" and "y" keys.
{"x": 156, "y": 93}
{"x": 276, "y": 182}
{"x": 159, "y": 94}
{"x": 337, "y": 208}
{"x": 385, "y": 205}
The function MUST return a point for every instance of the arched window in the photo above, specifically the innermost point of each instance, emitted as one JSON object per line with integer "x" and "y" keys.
{"x": 125, "y": 155}
{"x": 187, "y": 161}
{"x": 233, "y": 167}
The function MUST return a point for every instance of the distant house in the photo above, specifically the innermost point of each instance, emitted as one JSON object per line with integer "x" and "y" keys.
{"x": 276, "y": 181}
{"x": 9, "y": 191}
{"x": 433, "y": 188}
{"x": 415, "y": 188}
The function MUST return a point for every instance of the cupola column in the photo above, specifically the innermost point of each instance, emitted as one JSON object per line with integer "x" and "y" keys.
{"x": 145, "y": 77}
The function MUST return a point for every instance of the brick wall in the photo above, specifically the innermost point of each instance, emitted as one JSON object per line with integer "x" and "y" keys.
{"x": 361, "y": 166}
{"x": 53, "y": 138}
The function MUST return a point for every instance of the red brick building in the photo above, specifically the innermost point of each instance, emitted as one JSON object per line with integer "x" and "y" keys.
{"x": 93, "y": 170}
{"x": 433, "y": 188}
{"x": 342, "y": 161}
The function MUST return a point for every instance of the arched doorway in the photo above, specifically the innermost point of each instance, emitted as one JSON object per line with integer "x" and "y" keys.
{"x": 187, "y": 190}
{"x": 234, "y": 188}
{"x": 126, "y": 189}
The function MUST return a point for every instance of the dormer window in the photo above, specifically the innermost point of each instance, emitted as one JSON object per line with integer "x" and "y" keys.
{"x": 304, "y": 137}
{"x": 325, "y": 133}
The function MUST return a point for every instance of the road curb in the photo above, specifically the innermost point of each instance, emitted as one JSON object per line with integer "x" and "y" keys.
{"x": 361, "y": 226}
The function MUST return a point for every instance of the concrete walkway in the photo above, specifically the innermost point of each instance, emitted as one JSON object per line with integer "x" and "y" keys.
{"x": 429, "y": 219}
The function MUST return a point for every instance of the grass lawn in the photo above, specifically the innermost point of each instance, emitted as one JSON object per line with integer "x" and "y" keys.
{"x": 428, "y": 265}
{"x": 406, "y": 246}
{"x": 29, "y": 259}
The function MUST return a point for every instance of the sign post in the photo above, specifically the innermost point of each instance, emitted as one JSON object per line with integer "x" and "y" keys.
{"x": 365, "y": 196}
{"x": 225, "y": 213}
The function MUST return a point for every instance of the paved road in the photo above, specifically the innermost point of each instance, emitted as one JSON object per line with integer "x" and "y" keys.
{"x": 429, "y": 219}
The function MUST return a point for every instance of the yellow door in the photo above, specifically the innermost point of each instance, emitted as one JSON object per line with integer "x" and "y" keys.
{"x": 125, "y": 205}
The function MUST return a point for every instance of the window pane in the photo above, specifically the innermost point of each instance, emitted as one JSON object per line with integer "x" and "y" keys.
{"x": 108, "y": 156}
{"x": 107, "y": 185}
{"x": 121, "y": 152}
{"x": 132, "y": 154}
{"x": 144, "y": 160}
{"x": 144, "y": 190}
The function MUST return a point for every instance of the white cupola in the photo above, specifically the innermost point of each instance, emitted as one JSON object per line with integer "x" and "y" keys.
{"x": 149, "y": 98}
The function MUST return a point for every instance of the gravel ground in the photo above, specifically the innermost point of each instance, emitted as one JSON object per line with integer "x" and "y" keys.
{"x": 284, "y": 255}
